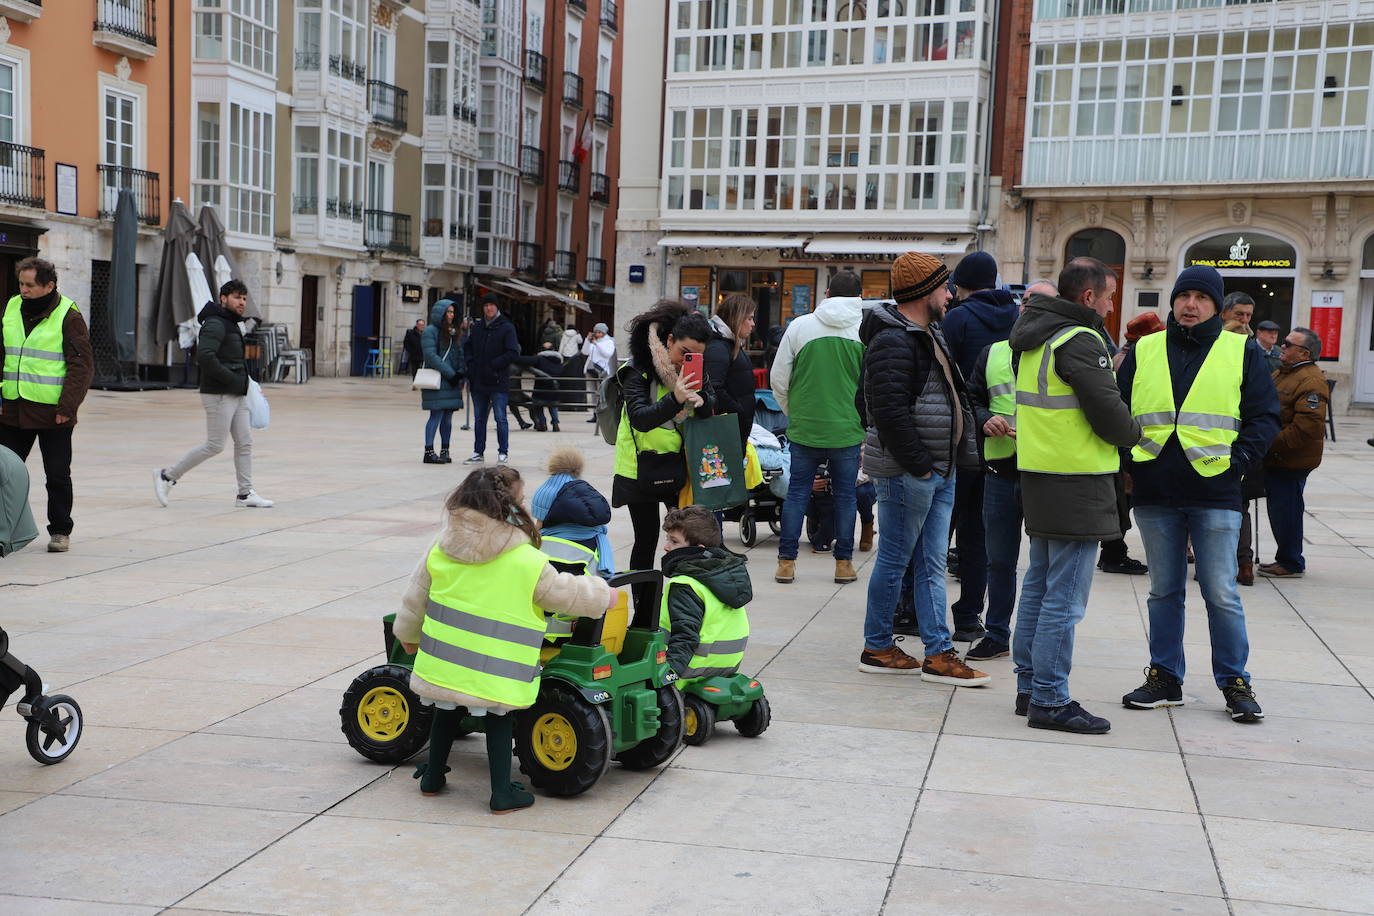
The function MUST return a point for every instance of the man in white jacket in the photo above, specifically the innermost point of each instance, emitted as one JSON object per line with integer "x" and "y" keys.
{"x": 815, "y": 378}
{"x": 599, "y": 349}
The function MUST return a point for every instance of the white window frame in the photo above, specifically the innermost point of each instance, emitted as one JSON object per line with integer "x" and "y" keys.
{"x": 251, "y": 172}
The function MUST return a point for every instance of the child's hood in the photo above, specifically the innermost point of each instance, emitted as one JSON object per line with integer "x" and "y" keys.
{"x": 471, "y": 537}
{"x": 723, "y": 572}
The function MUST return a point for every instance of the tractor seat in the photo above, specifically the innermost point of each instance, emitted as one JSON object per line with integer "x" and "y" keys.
{"x": 613, "y": 630}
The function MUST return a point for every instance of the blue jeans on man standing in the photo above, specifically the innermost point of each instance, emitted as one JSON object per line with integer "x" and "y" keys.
{"x": 1285, "y": 488}
{"x": 970, "y": 537}
{"x": 483, "y": 403}
{"x": 1213, "y": 532}
{"x": 844, "y": 471}
{"x": 913, "y": 515}
{"x": 1054, "y": 597}
{"x": 1002, "y": 524}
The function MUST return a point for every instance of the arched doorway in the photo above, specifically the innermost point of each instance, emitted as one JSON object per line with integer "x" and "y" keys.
{"x": 1110, "y": 249}
{"x": 1262, "y": 265}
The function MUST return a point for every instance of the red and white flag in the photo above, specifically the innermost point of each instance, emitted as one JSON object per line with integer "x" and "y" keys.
{"x": 583, "y": 145}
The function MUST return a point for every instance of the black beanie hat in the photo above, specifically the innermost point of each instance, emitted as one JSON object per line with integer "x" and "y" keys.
{"x": 978, "y": 270}
{"x": 1202, "y": 279}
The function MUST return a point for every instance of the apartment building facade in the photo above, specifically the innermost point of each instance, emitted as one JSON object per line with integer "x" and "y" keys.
{"x": 792, "y": 138}
{"x": 1157, "y": 134}
{"x": 93, "y": 95}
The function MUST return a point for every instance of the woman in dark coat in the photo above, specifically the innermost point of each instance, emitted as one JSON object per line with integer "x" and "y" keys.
{"x": 442, "y": 351}
{"x": 656, "y": 400}
{"x": 728, "y": 367}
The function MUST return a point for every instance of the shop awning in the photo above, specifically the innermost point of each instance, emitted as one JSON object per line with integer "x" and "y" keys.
{"x": 723, "y": 240}
{"x": 530, "y": 291}
{"x": 874, "y": 243}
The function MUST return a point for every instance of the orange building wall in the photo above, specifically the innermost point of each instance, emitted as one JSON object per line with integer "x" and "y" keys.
{"x": 64, "y": 97}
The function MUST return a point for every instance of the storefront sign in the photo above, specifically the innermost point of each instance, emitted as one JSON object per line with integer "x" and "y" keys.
{"x": 636, "y": 273}
{"x": 1328, "y": 306}
{"x": 801, "y": 300}
{"x": 410, "y": 292}
{"x": 1242, "y": 252}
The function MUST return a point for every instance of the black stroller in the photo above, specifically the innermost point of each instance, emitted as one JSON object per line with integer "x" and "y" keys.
{"x": 763, "y": 506}
{"x": 54, "y": 722}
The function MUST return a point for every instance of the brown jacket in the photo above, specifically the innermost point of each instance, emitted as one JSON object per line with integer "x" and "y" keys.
{"x": 76, "y": 347}
{"x": 1303, "y": 396}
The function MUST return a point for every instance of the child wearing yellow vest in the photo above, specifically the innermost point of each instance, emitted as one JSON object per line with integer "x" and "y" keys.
{"x": 474, "y": 614}
{"x": 704, "y": 597}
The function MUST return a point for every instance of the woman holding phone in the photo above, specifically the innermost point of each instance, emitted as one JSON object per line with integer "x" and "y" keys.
{"x": 650, "y": 467}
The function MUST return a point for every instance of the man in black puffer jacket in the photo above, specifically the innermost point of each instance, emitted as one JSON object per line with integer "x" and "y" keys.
{"x": 490, "y": 348}
{"x": 224, "y": 394}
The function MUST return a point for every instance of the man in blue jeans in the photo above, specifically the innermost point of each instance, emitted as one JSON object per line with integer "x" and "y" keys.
{"x": 491, "y": 346}
{"x": 1069, "y": 423}
{"x": 1208, "y": 412}
{"x": 815, "y": 378}
{"x": 919, "y": 432}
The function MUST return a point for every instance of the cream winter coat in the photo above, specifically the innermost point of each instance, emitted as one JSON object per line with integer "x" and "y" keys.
{"x": 471, "y": 537}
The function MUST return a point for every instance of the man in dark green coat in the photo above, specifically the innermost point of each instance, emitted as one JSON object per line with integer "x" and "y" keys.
{"x": 224, "y": 394}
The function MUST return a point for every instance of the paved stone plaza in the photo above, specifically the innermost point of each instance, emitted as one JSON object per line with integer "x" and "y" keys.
{"x": 209, "y": 647}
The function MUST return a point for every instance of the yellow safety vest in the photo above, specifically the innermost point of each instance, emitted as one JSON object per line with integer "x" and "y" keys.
{"x": 569, "y": 557}
{"x": 482, "y": 629}
{"x": 1001, "y": 398}
{"x": 1209, "y": 420}
{"x": 1052, "y": 435}
{"x": 35, "y": 367}
{"x": 723, "y": 637}
{"x": 665, "y": 439}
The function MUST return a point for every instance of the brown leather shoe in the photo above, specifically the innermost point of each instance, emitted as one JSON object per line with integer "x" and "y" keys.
{"x": 844, "y": 572}
{"x": 888, "y": 661}
{"x": 787, "y": 571}
{"x": 866, "y": 537}
{"x": 1246, "y": 574}
{"x": 949, "y": 668}
{"x": 1279, "y": 571}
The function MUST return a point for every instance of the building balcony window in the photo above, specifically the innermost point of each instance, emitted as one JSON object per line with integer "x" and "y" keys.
{"x": 21, "y": 176}
{"x": 22, "y": 10}
{"x": 536, "y": 70}
{"x": 308, "y": 60}
{"x": 529, "y": 258}
{"x": 569, "y": 176}
{"x": 305, "y": 205}
{"x": 463, "y": 112}
{"x": 572, "y": 89}
{"x": 610, "y": 16}
{"x": 580, "y": 5}
{"x": 596, "y": 271}
{"x": 564, "y": 265}
{"x": 127, "y": 27}
{"x": 345, "y": 68}
{"x": 605, "y": 108}
{"x": 601, "y": 188}
{"x": 532, "y": 164}
{"x": 145, "y": 185}
{"x": 386, "y": 231}
{"x": 388, "y": 104}
{"x": 343, "y": 209}
{"x": 461, "y": 233}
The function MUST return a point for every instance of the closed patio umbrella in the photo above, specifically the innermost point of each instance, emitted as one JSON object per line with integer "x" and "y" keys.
{"x": 212, "y": 249}
{"x": 175, "y": 303}
{"x": 121, "y": 304}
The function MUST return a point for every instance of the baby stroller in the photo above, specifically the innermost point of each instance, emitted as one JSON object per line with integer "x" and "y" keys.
{"x": 54, "y": 722}
{"x": 764, "y": 505}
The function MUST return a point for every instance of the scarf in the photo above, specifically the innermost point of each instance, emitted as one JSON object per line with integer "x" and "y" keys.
{"x": 542, "y": 502}
{"x": 719, "y": 324}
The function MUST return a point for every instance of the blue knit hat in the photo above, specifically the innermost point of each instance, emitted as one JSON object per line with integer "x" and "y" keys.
{"x": 1201, "y": 279}
{"x": 543, "y": 498}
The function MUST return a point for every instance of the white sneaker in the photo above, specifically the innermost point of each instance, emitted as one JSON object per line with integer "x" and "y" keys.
{"x": 253, "y": 501}
{"x": 161, "y": 487}
{"x": 475, "y": 458}
{"x": 502, "y": 458}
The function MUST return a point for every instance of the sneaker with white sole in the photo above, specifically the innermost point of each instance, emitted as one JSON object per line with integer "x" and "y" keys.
{"x": 474, "y": 458}
{"x": 162, "y": 486}
{"x": 503, "y": 458}
{"x": 252, "y": 500}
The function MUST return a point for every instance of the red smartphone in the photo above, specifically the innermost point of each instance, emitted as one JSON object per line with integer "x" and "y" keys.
{"x": 692, "y": 368}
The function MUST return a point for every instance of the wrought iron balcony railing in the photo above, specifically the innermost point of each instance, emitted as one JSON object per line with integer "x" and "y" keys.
{"x": 564, "y": 265}
{"x": 463, "y": 112}
{"x": 135, "y": 19}
{"x": 572, "y": 89}
{"x": 536, "y": 70}
{"x": 532, "y": 164}
{"x": 386, "y": 231}
{"x": 22, "y": 171}
{"x": 601, "y": 188}
{"x": 569, "y": 176}
{"x": 388, "y": 103}
{"x": 529, "y": 258}
{"x": 596, "y": 271}
{"x": 145, "y": 185}
{"x": 610, "y": 19}
{"x": 605, "y": 108}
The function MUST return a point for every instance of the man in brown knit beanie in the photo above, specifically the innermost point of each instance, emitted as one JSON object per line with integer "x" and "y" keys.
{"x": 919, "y": 430}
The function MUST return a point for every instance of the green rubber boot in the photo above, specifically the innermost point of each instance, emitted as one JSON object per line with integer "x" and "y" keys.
{"x": 441, "y": 735}
{"x": 506, "y": 796}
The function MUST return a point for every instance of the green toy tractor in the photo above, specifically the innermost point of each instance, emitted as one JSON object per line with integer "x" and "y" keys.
{"x": 737, "y": 698}
{"x": 605, "y": 693}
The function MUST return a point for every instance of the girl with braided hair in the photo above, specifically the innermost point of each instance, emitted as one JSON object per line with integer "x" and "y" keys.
{"x": 474, "y": 616}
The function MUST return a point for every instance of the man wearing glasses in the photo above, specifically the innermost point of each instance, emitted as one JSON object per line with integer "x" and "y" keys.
{"x": 1297, "y": 451}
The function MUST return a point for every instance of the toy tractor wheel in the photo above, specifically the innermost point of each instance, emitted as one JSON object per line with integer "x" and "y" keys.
{"x": 748, "y": 528}
{"x": 755, "y": 722}
{"x": 699, "y": 722}
{"x": 563, "y": 742}
{"x": 54, "y": 729}
{"x": 654, "y": 750}
{"x": 382, "y": 719}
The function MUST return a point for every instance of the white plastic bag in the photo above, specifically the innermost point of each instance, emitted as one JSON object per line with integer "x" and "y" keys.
{"x": 259, "y": 413}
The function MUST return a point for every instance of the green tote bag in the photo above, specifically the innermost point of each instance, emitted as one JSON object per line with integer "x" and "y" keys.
{"x": 715, "y": 461}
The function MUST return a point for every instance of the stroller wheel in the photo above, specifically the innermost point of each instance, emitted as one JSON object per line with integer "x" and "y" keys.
{"x": 748, "y": 528}
{"x": 54, "y": 729}
{"x": 775, "y": 526}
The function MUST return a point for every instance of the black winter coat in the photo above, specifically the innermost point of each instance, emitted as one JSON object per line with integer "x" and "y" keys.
{"x": 578, "y": 503}
{"x": 219, "y": 352}
{"x": 490, "y": 349}
{"x": 644, "y": 412}
{"x": 1170, "y": 480}
{"x": 732, "y": 381}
